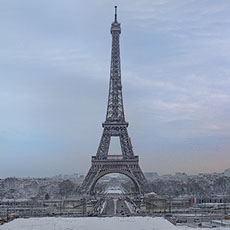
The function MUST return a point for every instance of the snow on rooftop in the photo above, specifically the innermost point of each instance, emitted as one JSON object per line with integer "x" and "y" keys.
{"x": 92, "y": 223}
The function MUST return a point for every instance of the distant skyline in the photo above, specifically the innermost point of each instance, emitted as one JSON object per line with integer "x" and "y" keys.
{"x": 54, "y": 75}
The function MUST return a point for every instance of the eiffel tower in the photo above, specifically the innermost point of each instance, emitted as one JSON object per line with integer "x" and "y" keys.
{"x": 115, "y": 125}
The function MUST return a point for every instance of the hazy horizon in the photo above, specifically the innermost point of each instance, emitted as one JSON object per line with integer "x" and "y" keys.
{"x": 71, "y": 174}
{"x": 55, "y": 62}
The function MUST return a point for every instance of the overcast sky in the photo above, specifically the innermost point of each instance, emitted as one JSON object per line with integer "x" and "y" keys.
{"x": 54, "y": 76}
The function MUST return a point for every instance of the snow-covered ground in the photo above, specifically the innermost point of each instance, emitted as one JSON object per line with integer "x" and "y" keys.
{"x": 114, "y": 190}
{"x": 93, "y": 223}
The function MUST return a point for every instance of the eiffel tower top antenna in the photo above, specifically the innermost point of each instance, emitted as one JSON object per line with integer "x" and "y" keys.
{"x": 115, "y": 20}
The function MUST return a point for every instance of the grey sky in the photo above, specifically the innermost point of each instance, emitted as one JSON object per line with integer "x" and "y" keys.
{"x": 54, "y": 75}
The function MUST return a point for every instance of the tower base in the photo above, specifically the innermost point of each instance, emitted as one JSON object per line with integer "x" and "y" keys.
{"x": 114, "y": 164}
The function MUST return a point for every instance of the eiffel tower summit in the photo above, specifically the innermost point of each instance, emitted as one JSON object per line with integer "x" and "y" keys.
{"x": 115, "y": 125}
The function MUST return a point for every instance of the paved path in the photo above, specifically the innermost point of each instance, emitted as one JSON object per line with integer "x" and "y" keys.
{"x": 109, "y": 207}
{"x": 116, "y": 207}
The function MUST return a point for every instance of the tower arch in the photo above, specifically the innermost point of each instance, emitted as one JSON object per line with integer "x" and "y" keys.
{"x": 102, "y": 174}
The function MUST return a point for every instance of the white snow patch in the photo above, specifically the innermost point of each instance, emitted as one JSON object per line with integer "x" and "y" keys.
{"x": 103, "y": 207}
{"x": 115, "y": 205}
{"x": 92, "y": 223}
{"x": 130, "y": 207}
{"x": 89, "y": 223}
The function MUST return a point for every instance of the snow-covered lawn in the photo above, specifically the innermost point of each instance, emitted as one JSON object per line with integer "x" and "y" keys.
{"x": 92, "y": 223}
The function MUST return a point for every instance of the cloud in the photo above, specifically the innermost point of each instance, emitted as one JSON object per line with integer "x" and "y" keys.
{"x": 55, "y": 59}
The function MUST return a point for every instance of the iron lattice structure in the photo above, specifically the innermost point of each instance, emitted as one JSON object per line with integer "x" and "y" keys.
{"x": 115, "y": 125}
